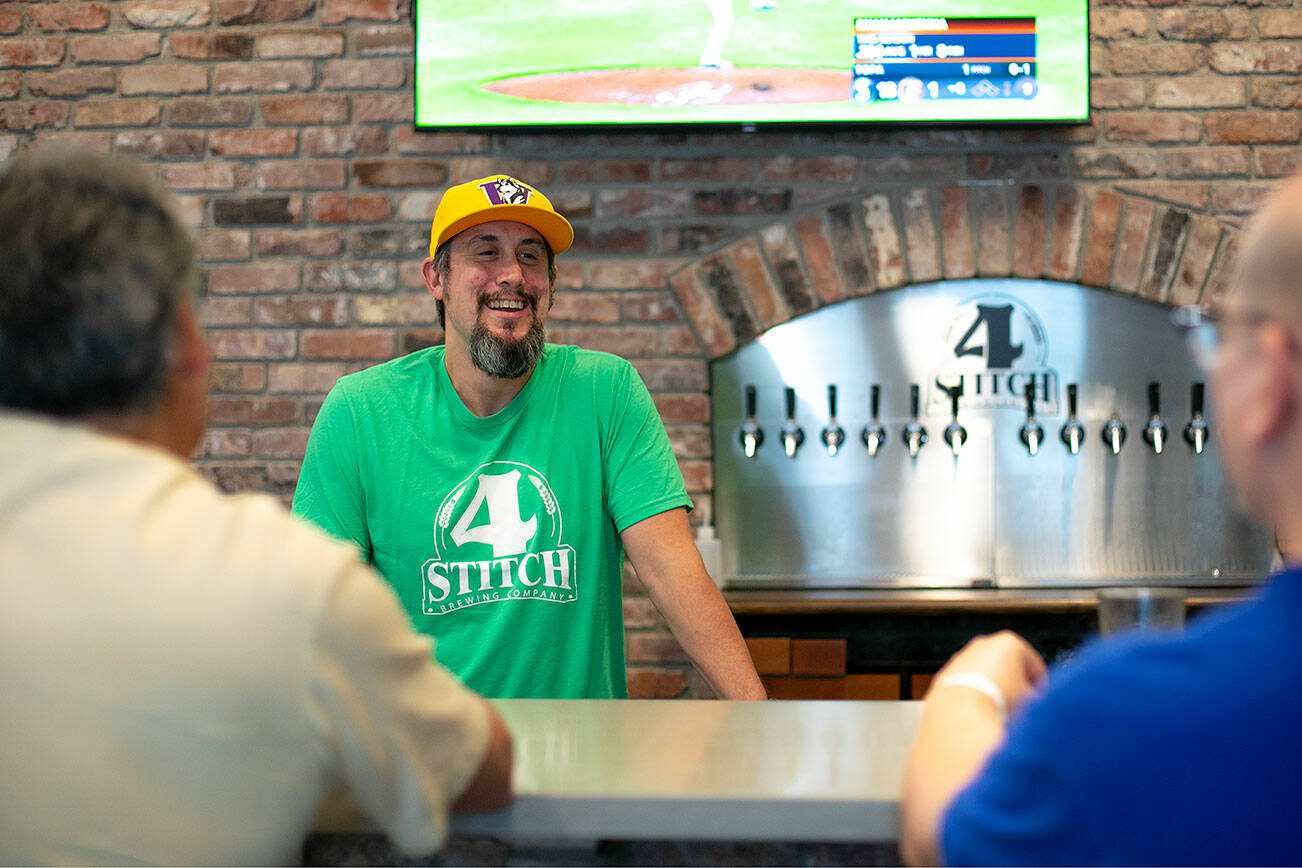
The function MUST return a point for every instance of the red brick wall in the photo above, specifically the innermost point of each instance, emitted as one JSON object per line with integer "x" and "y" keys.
{"x": 285, "y": 126}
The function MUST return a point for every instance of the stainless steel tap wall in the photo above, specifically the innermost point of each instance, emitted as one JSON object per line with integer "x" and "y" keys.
{"x": 994, "y": 514}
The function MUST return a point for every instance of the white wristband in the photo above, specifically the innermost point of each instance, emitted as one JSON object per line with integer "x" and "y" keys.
{"x": 982, "y": 684}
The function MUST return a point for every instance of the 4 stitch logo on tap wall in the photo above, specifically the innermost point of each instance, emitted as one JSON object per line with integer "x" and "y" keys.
{"x": 497, "y": 537}
{"x": 994, "y": 346}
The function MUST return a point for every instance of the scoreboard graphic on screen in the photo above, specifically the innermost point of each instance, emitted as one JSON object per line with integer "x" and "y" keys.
{"x": 909, "y": 60}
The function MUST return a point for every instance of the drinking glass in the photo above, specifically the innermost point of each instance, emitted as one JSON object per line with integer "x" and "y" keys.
{"x": 1138, "y": 608}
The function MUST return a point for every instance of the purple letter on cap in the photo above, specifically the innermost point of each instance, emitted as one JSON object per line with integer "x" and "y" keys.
{"x": 505, "y": 191}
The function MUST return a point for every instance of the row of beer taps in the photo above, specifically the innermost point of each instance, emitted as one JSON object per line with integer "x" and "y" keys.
{"x": 1072, "y": 434}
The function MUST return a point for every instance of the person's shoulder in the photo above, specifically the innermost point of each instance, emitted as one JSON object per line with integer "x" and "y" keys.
{"x": 234, "y": 543}
{"x": 1100, "y": 664}
{"x": 595, "y": 366}
{"x": 379, "y": 390}
{"x": 1231, "y": 627}
{"x": 1165, "y": 677}
{"x": 255, "y": 527}
{"x": 418, "y": 365}
{"x": 580, "y": 358}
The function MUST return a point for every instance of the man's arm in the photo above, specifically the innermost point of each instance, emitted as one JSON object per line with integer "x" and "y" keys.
{"x": 666, "y": 560}
{"x": 961, "y": 727}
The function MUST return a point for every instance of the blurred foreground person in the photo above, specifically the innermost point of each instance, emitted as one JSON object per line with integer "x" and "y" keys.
{"x": 1150, "y": 749}
{"x": 184, "y": 674}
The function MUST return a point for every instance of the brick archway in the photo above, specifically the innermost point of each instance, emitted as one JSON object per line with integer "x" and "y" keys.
{"x": 879, "y": 241}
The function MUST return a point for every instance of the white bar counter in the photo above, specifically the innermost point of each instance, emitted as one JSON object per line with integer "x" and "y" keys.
{"x": 702, "y": 770}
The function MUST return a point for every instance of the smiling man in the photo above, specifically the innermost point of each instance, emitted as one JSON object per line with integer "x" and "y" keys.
{"x": 497, "y": 481}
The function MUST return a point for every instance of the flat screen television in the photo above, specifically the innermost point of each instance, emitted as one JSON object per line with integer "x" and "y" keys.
{"x": 567, "y": 63}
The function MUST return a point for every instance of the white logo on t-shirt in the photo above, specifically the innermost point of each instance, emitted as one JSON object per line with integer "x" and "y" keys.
{"x": 497, "y": 536}
{"x": 505, "y": 530}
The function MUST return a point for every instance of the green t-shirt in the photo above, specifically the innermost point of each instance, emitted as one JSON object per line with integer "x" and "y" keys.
{"x": 500, "y": 535}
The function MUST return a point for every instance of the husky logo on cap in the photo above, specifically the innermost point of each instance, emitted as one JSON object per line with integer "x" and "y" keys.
{"x": 505, "y": 191}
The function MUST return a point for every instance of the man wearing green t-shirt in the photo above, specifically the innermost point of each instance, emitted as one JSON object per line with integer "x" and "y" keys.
{"x": 497, "y": 481}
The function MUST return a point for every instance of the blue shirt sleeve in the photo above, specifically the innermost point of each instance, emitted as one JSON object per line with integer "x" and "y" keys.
{"x": 1022, "y": 808}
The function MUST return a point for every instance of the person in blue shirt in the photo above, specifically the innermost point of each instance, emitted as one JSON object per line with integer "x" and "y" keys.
{"x": 1150, "y": 749}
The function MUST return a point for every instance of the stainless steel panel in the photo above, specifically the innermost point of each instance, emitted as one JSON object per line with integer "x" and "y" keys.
{"x": 995, "y": 515}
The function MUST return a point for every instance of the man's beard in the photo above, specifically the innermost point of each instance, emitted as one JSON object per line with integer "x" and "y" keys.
{"x": 505, "y": 357}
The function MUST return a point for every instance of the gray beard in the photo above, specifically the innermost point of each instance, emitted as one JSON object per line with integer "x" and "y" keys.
{"x": 508, "y": 359}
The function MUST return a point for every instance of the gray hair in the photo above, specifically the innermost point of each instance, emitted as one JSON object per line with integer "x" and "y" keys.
{"x": 443, "y": 265}
{"x": 94, "y": 263}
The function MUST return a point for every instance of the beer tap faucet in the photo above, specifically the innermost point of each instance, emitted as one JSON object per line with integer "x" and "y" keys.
{"x": 751, "y": 434}
{"x": 915, "y": 436}
{"x": 833, "y": 434}
{"x": 955, "y": 434}
{"x": 1195, "y": 433}
{"x": 1155, "y": 430}
{"x": 1073, "y": 432}
{"x": 792, "y": 434}
{"x": 1032, "y": 433}
{"x": 1114, "y": 434}
{"x": 874, "y": 435}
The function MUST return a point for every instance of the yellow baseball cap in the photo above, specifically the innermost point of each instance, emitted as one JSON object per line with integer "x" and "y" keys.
{"x": 498, "y": 197}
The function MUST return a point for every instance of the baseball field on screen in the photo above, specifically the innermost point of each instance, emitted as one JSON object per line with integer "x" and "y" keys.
{"x": 637, "y": 62}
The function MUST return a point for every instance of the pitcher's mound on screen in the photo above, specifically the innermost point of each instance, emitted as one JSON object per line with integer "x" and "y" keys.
{"x": 671, "y": 88}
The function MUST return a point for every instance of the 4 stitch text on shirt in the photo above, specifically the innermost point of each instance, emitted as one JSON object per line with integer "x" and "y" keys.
{"x": 547, "y": 575}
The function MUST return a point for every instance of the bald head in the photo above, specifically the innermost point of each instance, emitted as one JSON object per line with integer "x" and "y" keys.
{"x": 1256, "y": 381}
{"x": 1269, "y": 271}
